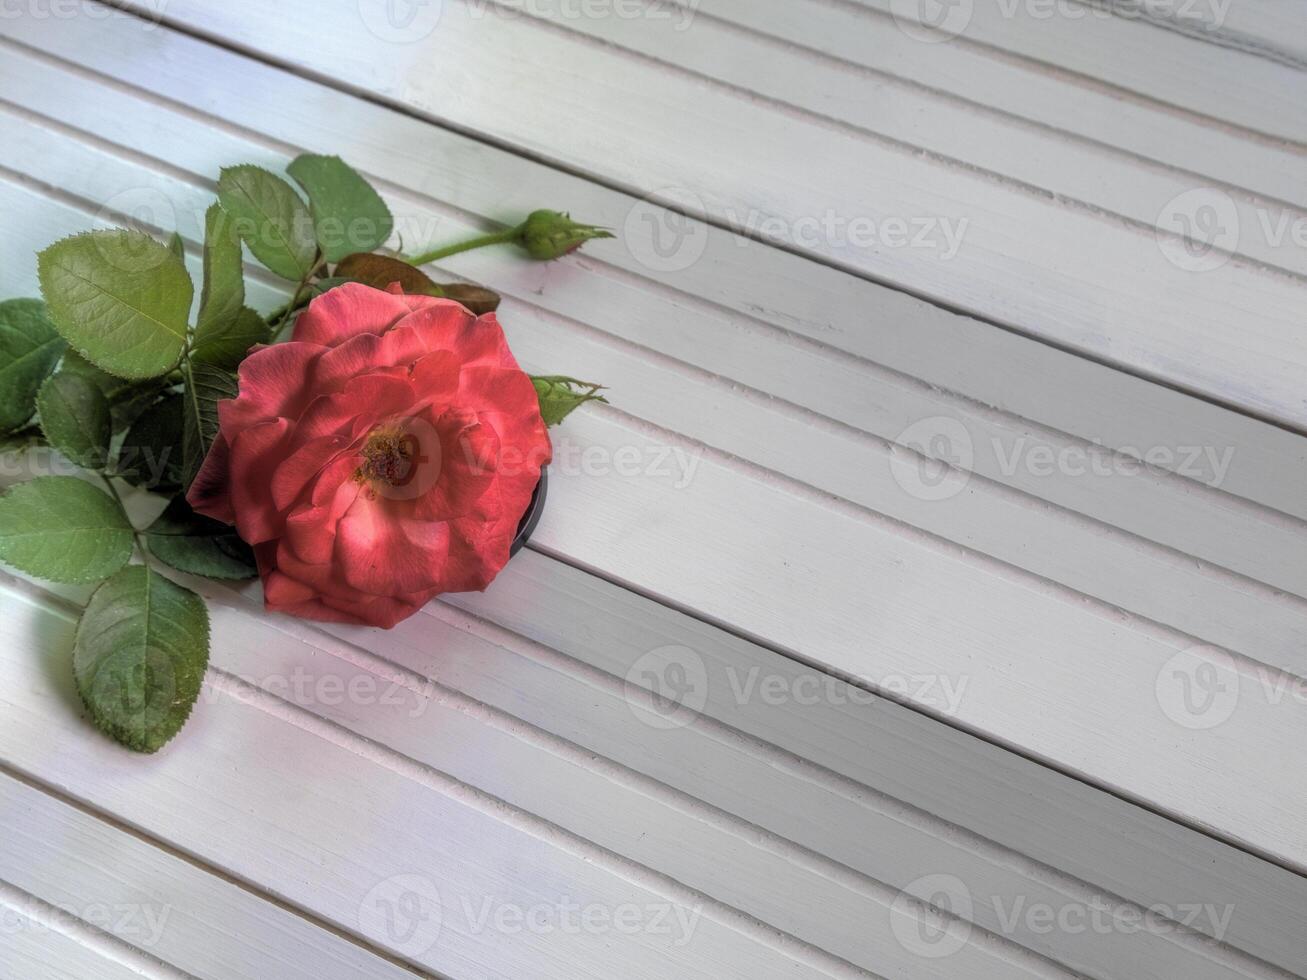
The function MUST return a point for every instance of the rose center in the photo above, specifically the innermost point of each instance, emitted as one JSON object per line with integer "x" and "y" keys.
{"x": 390, "y": 457}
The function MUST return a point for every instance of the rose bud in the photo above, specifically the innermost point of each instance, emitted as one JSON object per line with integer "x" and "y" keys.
{"x": 385, "y": 455}
{"x": 551, "y": 235}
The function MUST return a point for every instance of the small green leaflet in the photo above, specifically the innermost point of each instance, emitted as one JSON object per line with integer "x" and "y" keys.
{"x": 271, "y": 219}
{"x": 127, "y": 399}
{"x": 29, "y": 349}
{"x": 223, "y": 294}
{"x": 348, "y": 214}
{"x": 75, "y": 419}
{"x": 139, "y": 657}
{"x": 63, "y": 529}
{"x": 193, "y": 543}
{"x": 560, "y": 396}
{"x": 120, "y": 298}
{"x": 206, "y": 385}
{"x": 225, "y": 346}
{"x": 151, "y": 452}
{"x": 177, "y": 247}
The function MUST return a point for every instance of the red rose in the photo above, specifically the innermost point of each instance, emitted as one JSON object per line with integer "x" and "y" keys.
{"x": 383, "y": 456}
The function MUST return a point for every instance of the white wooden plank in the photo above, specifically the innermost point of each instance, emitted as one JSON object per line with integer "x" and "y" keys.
{"x": 769, "y": 879}
{"x": 159, "y": 903}
{"x": 1021, "y": 807}
{"x": 1093, "y": 559}
{"x": 1102, "y": 289}
{"x": 1271, "y": 28}
{"x": 757, "y": 284}
{"x": 41, "y": 942}
{"x": 356, "y": 826}
{"x": 1073, "y": 684}
{"x": 859, "y": 830}
{"x": 1243, "y": 89}
{"x": 1092, "y": 175}
{"x": 980, "y": 76}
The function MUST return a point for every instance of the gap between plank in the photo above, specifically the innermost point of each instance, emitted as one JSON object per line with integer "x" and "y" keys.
{"x": 506, "y": 146}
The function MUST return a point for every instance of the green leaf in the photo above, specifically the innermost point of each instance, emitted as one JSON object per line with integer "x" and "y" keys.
{"x": 75, "y": 419}
{"x": 206, "y": 385}
{"x": 120, "y": 298}
{"x": 560, "y": 396}
{"x": 151, "y": 453}
{"x": 348, "y": 214}
{"x": 139, "y": 657}
{"x": 63, "y": 529}
{"x": 193, "y": 543}
{"x": 127, "y": 399}
{"x": 177, "y": 247}
{"x": 271, "y": 219}
{"x": 223, "y": 295}
{"x": 29, "y": 349}
{"x": 227, "y": 345}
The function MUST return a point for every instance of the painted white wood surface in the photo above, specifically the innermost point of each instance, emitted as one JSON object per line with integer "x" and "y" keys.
{"x": 993, "y": 708}
{"x": 981, "y": 78}
{"x": 784, "y": 387}
{"x": 1229, "y": 85}
{"x": 1211, "y": 605}
{"x": 1079, "y": 279}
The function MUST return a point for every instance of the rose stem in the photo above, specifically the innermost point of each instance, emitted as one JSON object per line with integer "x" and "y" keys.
{"x": 498, "y": 238}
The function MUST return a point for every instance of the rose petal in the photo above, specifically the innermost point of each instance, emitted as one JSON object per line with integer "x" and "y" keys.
{"x": 468, "y": 468}
{"x": 381, "y": 551}
{"x": 362, "y": 403}
{"x": 254, "y": 456}
{"x": 294, "y": 473}
{"x": 210, "y": 492}
{"x": 446, "y": 325}
{"x": 347, "y": 311}
{"x": 271, "y": 386}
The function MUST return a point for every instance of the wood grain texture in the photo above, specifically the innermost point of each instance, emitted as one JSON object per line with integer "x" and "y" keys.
{"x": 160, "y": 904}
{"x": 413, "y": 702}
{"x": 1174, "y": 68}
{"x": 1197, "y": 615}
{"x": 1075, "y": 172}
{"x": 257, "y": 770}
{"x": 985, "y": 78}
{"x": 1107, "y": 291}
{"x": 896, "y": 693}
